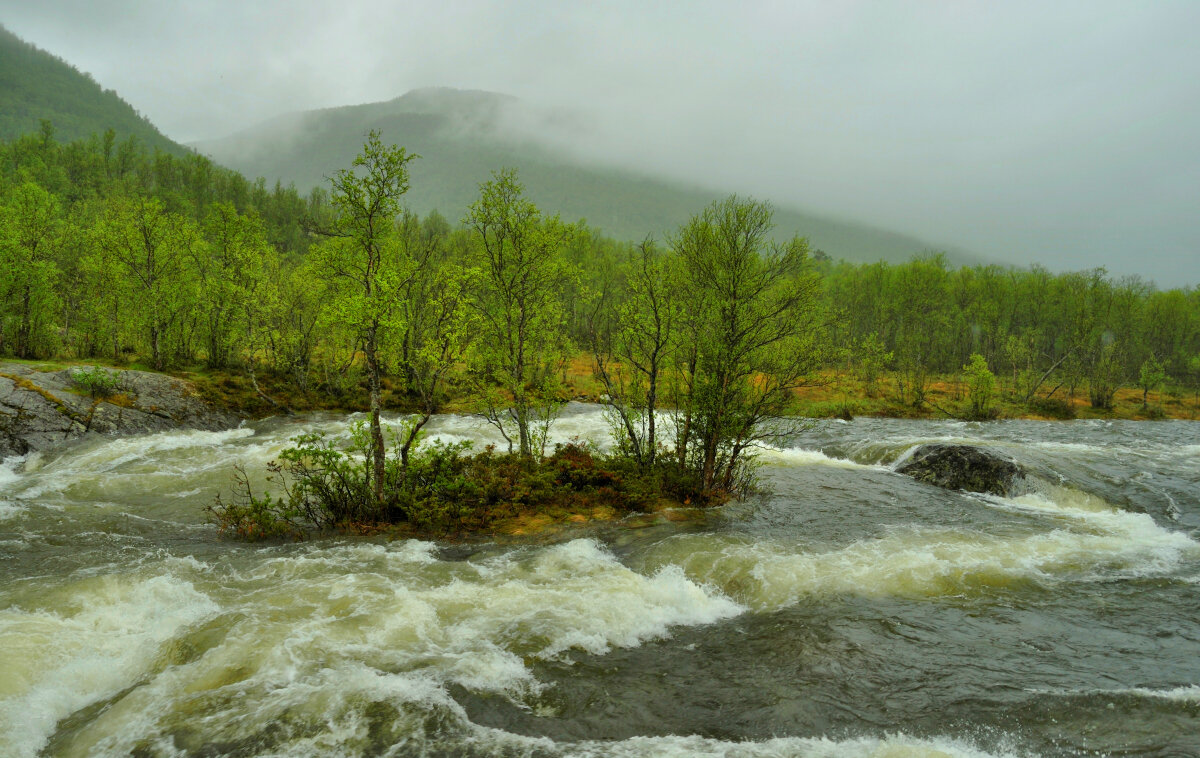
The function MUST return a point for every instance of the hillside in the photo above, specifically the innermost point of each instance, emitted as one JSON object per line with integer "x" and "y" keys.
{"x": 462, "y": 136}
{"x": 36, "y": 85}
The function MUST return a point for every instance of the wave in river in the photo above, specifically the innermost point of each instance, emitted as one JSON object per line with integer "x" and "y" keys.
{"x": 310, "y": 636}
{"x": 1090, "y": 540}
{"x": 896, "y": 746}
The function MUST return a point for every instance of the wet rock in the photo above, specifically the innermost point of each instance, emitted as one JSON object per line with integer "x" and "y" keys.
{"x": 963, "y": 467}
{"x": 40, "y": 409}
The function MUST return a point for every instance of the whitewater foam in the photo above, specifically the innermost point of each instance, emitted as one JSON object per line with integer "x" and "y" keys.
{"x": 1092, "y": 540}
{"x": 798, "y": 456}
{"x": 52, "y": 663}
{"x": 315, "y": 633}
{"x": 892, "y": 746}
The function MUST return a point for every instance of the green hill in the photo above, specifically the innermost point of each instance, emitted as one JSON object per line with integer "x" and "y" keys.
{"x": 36, "y": 85}
{"x": 462, "y": 136}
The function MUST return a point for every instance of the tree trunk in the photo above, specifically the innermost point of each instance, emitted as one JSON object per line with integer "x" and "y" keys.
{"x": 154, "y": 349}
{"x": 412, "y": 437}
{"x": 377, "y": 449}
{"x": 522, "y": 414}
{"x": 26, "y": 330}
{"x": 651, "y": 402}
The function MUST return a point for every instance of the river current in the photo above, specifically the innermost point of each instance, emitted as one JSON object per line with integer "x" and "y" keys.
{"x": 845, "y": 611}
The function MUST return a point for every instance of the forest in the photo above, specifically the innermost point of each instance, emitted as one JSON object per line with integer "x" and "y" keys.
{"x": 114, "y": 253}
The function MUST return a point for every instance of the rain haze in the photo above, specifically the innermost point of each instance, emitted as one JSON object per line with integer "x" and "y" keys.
{"x": 1062, "y": 134}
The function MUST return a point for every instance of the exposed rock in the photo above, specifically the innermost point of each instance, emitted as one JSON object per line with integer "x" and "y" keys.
{"x": 962, "y": 467}
{"x": 40, "y": 409}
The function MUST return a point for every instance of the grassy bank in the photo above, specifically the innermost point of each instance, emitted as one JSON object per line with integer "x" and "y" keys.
{"x": 831, "y": 394}
{"x": 840, "y": 394}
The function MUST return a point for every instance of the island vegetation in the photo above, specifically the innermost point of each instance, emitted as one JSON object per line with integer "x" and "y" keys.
{"x": 273, "y": 301}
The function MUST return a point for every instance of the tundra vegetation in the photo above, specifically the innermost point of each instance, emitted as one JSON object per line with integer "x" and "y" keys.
{"x": 701, "y": 344}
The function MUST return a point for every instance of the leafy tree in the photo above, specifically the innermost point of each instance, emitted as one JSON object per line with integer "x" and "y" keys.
{"x": 920, "y": 311}
{"x": 981, "y": 384}
{"x": 522, "y": 341}
{"x": 437, "y": 325}
{"x": 1151, "y": 375}
{"x": 231, "y": 270}
{"x": 362, "y": 254}
{"x": 873, "y": 358}
{"x": 631, "y": 346}
{"x": 29, "y": 227}
{"x": 1107, "y": 374}
{"x": 145, "y": 252}
{"x": 751, "y": 331}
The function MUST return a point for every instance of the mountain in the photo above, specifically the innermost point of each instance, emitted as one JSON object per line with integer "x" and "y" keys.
{"x": 462, "y": 136}
{"x": 36, "y": 85}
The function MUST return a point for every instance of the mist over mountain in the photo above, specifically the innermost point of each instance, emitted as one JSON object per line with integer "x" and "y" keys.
{"x": 1060, "y": 134}
{"x": 36, "y": 85}
{"x": 463, "y": 136}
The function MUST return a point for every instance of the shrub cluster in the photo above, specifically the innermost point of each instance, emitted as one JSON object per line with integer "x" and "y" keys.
{"x": 96, "y": 381}
{"x": 1052, "y": 407}
{"x": 443, "y": 488}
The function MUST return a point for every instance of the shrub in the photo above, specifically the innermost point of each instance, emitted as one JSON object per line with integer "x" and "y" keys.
{"x": 95, "y": 381}
{"x": 1052, "y": 407}
{"x": 249, "y": 517}
{"x": 442, "y": 489}
{"x": 981, "y": 383}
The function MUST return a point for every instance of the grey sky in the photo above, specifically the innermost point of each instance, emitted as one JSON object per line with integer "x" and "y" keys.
{"x": 1063, "y": 132}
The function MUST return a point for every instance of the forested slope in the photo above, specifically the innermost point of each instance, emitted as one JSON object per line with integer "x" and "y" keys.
{"x": 36, "y": 86}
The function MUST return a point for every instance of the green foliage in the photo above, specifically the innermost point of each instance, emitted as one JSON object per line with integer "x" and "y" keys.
{"x": 921, "y": 323}
{"x": 97, "y": 382}
{"x": 143, "y": 254}
{"x": 30, "y": 234}
{"x": 247, "y": 516}
{"x": 1052, "y": 407}
{"x": 873, "y": 358}
{"x": 443, "y": 488}
{"x": 981, "y": 386}
{"x": 1107, "y": 375}
{"x": 749, "y": 337}
{"x": 522, "y": 342}
{"x": 1151, "y": 375}
{"x": 366, "y": 269}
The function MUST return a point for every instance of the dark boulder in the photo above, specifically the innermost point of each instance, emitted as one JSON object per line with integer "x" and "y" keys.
{"x": 963, "y": 467}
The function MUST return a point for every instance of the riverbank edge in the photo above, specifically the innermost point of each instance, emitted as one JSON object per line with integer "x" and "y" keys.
{"x": 830, "y": 394}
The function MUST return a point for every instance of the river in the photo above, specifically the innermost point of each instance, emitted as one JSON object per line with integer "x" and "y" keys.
{"x": 845, "y": 611}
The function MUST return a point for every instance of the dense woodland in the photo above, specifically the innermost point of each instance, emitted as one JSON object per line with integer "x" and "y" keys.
{"x": 112, "y": 251}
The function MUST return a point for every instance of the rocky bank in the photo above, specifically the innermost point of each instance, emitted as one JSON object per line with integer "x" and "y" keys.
{"x": 40, "y": 409}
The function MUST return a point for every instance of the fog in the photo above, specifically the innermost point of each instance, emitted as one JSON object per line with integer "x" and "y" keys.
{"x": 1061, "y": 133}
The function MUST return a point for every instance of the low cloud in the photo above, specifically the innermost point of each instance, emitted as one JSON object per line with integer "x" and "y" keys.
{"x": 1029, "y": 132}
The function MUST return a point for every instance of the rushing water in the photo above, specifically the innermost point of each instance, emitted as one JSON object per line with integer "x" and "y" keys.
{"x": 849, "y": 611}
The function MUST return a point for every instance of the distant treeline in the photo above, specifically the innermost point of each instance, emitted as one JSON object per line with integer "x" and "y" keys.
{"x": 1043, "y": 332}
{"x": 108, "y": 250}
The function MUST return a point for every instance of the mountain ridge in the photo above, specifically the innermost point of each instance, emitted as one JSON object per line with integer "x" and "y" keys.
{"x": 465, "y": 135}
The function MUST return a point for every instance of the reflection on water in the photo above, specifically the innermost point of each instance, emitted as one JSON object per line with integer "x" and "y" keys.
{"x": 846, "y": 611}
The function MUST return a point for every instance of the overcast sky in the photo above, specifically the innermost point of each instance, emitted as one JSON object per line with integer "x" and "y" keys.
{"x": 1066, "y": 133}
